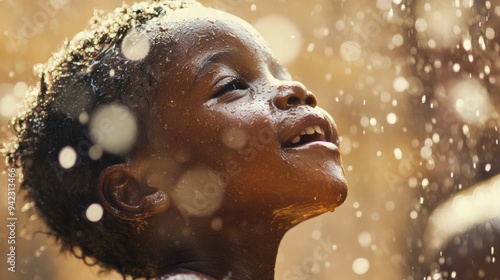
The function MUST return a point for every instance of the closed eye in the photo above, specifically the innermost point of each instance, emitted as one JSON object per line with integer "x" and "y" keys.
{"x": 232, "y": 85}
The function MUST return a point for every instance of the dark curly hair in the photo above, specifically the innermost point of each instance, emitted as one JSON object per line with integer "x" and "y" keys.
{"x": 90, "y": 70}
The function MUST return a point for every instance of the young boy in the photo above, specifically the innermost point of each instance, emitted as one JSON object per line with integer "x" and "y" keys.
{"x": 167, "y": 141}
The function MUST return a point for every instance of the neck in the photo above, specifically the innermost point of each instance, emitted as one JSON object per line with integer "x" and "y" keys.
{"x": 235, "y": 249}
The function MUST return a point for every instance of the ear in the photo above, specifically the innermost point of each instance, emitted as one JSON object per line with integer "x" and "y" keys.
{"x": 123, "y": 196}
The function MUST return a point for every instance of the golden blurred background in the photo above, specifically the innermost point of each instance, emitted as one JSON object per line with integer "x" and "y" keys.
{"x": 412, "y": 86}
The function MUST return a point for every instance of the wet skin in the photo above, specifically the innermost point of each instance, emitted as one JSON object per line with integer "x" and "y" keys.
{"x": 227, "y": 107}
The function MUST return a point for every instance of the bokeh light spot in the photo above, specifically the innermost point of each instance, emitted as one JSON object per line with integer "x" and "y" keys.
{"x": 400, "y": 84}
{"x": 8, "y": 106}
{"x": 234, "y": 138}
{"x": 67, "y": 157}
{"x": 114, "y": 128}
{"x": 350, "y": 51}
{"x": 283, "y": 36}
{"x": 94, "y": 212}
{"x": 135, "y": 45}
{"x": 360, "y": 266}
{"x": 199, "y": 191}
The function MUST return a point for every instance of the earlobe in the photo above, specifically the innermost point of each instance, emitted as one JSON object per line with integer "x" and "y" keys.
{"x": 125, "y": 197}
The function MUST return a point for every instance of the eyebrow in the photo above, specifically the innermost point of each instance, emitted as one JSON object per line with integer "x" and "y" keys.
{"x": 211, "y": 59}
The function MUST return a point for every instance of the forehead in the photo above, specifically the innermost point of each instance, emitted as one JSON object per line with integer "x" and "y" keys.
{"x": 199, "y": 30}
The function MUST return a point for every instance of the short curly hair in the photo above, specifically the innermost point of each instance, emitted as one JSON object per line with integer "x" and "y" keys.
{"x": 76, "y": 80}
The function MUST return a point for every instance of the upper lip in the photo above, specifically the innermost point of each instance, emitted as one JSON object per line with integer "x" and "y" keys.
{"x": 309, "y": 128}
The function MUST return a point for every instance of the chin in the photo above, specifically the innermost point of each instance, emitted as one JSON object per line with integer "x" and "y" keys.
{"x": 319, "y": 197}
{"x": 325, "y": 187}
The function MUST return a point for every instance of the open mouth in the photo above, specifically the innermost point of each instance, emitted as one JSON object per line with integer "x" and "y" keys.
{"x": 307, "y": 135}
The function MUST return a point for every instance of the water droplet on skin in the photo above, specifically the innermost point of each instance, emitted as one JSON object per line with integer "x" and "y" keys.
{"x": 171, "y": 104}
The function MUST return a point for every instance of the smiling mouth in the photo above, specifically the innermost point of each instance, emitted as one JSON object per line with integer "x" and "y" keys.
{"x": 307, "y": 135}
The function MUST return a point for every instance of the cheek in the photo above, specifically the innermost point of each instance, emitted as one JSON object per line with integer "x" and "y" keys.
{"x": 235, "y": 141}
{"x": 243, "y": 156}
{"x": 233, "y": 132}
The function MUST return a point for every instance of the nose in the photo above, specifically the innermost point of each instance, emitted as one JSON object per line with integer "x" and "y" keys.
{"x": 291, "y": 94}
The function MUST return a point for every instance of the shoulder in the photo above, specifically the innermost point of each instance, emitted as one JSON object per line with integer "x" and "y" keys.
{"x": 185, "y": 276}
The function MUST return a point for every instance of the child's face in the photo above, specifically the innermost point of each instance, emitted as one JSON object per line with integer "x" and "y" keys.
{"x": 228, "y": 111}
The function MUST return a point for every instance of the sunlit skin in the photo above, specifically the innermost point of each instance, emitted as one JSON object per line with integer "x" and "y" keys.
{"x": 216, "y": 80}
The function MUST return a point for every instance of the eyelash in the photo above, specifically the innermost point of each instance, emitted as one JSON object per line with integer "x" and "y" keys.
{"x": 234, "y": 84}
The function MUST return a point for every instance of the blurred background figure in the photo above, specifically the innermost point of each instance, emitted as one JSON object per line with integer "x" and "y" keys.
{"x": 413, "y": 86}
{"x": 464, "y": 232}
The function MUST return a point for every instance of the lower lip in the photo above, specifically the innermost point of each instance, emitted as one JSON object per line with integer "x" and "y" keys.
{"x": 316, "y": 145}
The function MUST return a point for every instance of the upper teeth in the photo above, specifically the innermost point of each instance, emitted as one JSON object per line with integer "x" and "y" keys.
{"x": 308, "y": 130}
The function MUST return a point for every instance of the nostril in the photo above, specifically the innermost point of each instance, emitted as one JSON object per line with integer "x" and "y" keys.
{"x": 293, "y": 101}
{"x": 292, "y": 94}
{"x": 311, "y": 101}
